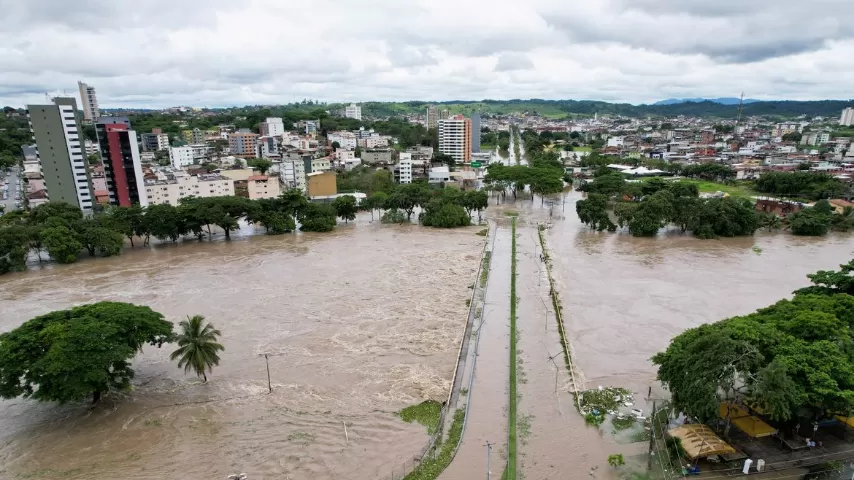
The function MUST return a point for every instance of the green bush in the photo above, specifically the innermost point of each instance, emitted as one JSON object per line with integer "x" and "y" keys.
{"x": 445, "y": 215}
{"x": 395, "y": 215}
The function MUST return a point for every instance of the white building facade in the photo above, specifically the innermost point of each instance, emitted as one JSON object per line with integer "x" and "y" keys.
{"x": 181, "y": 156}
{"x": 847, "y": 118}
{"x": 272, "y": 126}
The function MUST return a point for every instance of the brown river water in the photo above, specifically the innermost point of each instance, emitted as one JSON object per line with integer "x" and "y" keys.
{"x": 364, "y": 321}
{"x": 358, "y": 323}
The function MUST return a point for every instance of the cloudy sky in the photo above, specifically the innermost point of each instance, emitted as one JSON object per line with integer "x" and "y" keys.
{"x": 159, "y": 53}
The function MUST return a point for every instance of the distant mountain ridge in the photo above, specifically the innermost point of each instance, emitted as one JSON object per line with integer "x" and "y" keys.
{"x": 722, "y": 100}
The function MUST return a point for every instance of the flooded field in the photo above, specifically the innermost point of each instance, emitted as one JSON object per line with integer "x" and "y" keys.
{"x": 626, "y": 297}
{"x": 357, "y": 323}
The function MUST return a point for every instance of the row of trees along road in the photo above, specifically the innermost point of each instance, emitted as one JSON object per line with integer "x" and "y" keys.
{"x": 792, "y": 359}
{"x": 61, "y": 230}
{"x": 442, "y": 207}
{"x": 646, "y": 207}
{"x": 70, "y": 355}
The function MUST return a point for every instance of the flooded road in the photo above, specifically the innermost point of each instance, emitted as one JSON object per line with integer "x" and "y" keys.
{"x": 358, "y": 323}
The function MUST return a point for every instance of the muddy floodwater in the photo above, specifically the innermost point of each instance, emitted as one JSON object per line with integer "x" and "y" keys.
{"x": 357, "y": 324}
{"x": 366, "y": 320}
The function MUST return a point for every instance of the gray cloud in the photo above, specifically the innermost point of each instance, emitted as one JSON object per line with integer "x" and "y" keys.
{"x": 220, "y": 52}
{"x": 513, "y": 61}
{"x": 726, "y": 31}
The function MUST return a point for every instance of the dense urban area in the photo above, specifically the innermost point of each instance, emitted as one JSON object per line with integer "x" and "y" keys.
{"x": 632, "y": 230}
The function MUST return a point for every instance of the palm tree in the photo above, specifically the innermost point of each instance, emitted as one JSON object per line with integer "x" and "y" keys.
{"x": 197, "y": 346}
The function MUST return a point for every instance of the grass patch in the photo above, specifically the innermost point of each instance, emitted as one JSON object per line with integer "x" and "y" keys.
{"x": 582, "y": 149}
{"x": 483, "y": 232}
{"x": 426, "y": 413}
{"x": 735, "y": 190}
{"x": 511, "y": 423}
{"x": 152, "y": 423}
{"x": 603, "y": 401}
{"x": 484, "y": 269}
{"x": 432, "y": 467}
{"x": 511, "y": 213}
{"x": 302, "y": 438}
{"x": 622, "y": 422}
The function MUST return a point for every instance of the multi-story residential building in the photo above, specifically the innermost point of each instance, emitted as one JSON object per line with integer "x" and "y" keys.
{"x": 847, "y": 118}
{"x": 60, "y": 152}
{"x": 309, "y": 127}
{"x": 194, "y": 136}
{"x": 374, "y": 157}
{"x": 272, "y": 127}
{"x": 475, "y": 133}
{"x": 301, "y": 167}
{"x": 432, "y": 117}
{"x": 179, "y": 185}
{"x": 258, "y": 186}
{"x": 268, "y": 147}
{"x": 153, "y": 142}
{"x": 352, "y": 111}
{"x": 444, "y": 115}
{"x": 90, "y": 147}
{"x": 243, "y": 144}
{"x": 88, "y": 102}
{"x": 374, "y": 141}
{"x": 181, "y": 156}
{"x": 122, "y": 166}
{"x": 403, "y": 172}
{"x": 455, "y": 138}
{"x": 346, "y": 140}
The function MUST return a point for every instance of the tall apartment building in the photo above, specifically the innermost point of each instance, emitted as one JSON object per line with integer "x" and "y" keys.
{"x": 88, "y": 102}
{"x": 475, "y": 133}
{"x": 455, "y": 138}
{"x": 60, "y": 152}
{"x": 122, "y": 166}
{"x": 272, "y": 127}
{"x": 847, "y": 118}
{"x": 353, "y": 111}
{"x": 432, "y": 116}
{"x": 242, "y": 144}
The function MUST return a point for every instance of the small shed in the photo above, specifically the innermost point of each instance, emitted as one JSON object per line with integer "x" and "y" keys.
{"x": 699, "y": 441}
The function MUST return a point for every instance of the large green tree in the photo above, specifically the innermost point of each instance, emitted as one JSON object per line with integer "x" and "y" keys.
{"x": 345, "y": 207}
{"x": 796, "y": 355}
{"x": 69, "y": 355}
{"x": 197, "y": 346}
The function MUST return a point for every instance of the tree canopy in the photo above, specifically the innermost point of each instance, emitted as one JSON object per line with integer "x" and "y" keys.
{"x": 796, "y": 354}
{"x": 68, "y": 355}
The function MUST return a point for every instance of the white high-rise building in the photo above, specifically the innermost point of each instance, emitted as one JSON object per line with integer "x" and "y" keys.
{"x": 60, "y": 152}
{"x": 353, "y": 111}
{"x": 847, "y": 118}
{"x": 404, "y": 167}
{"x": 88, "y": 102}
{"x": 455, "y": 138}
{"x": 272, "y": 127}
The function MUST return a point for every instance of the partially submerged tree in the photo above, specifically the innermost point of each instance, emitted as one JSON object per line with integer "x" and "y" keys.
{"x": 69, "y": 355}
{"x": 197, "y": 346}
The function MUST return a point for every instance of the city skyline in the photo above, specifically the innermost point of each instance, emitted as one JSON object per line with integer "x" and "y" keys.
{"x": 609, "y": 50}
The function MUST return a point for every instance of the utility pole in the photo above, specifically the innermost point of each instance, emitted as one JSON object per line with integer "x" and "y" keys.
{"x": 269, "y": 385}
{"x": 651, "y": 436}
{"x": 488, "y": 450}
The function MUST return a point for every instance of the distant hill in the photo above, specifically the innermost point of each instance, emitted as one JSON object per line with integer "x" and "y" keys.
{"x": 722, "y": 101}
{"x": 587, "y": 108}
